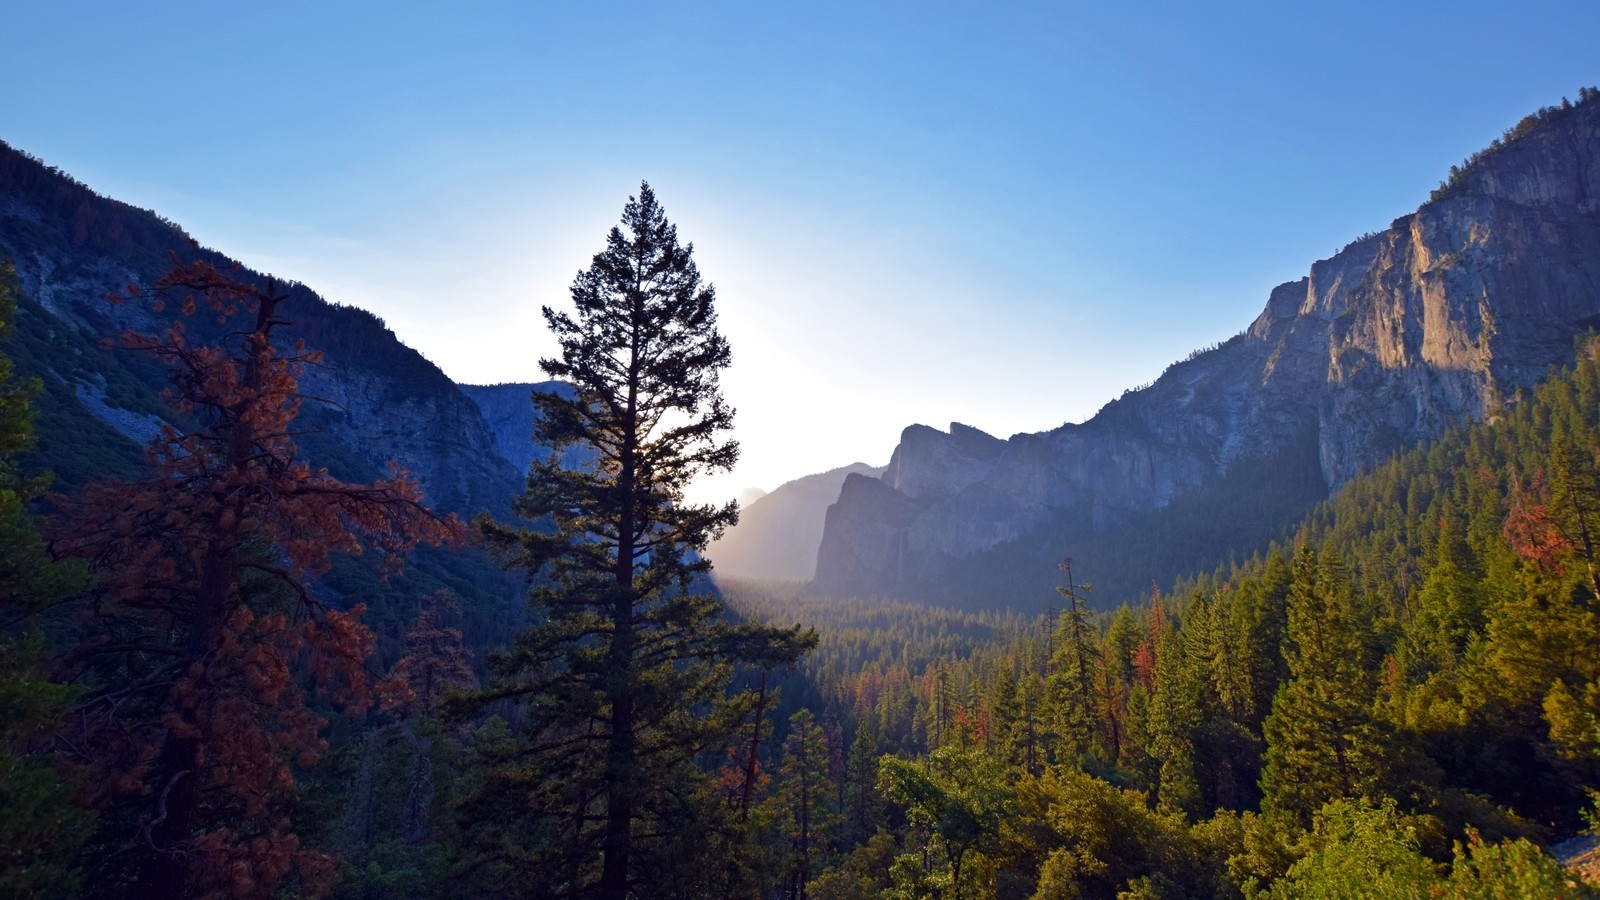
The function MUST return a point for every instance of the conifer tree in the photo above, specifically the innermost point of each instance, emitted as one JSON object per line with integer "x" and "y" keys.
{"x": 1072, "y": 681}
{"x": 865, "y": 806}
{"x": 1576, "y": 500}
{"x": 623, "y": 682}
{"x": 805, "y": 817}
{"x": 1173, "y": 719}
{"x": 1320, "y": 741}
{"x": 203, "y": 608}
{"x": 436, "y": 660}
{"x": 1005, "y": 713}
{"x": 40, "y": 829}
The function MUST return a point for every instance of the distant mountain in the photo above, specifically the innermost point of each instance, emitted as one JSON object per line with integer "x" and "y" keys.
{"x": 1445, "y": 315}
{"x": 778, "y": 533}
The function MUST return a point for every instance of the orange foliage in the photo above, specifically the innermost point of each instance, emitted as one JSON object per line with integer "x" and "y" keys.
{"x": 1531, "y": 530}
{"x": 436, "y": 658}
{"x": 205, "y": 612}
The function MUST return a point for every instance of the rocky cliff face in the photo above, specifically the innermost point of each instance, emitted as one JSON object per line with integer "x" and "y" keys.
{"x": 1443, "y": 316}
{"x": 71, "y": 247}
{"x": 508, "y": 409}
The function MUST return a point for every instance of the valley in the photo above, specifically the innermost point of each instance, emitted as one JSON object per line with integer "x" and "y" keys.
{"x": 289, "y": 612}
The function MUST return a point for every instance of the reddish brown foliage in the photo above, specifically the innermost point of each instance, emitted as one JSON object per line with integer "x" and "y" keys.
{"x": 1531, "y": 529}
{"x": 204, "y": 614}
{"x": 436, "y": 658}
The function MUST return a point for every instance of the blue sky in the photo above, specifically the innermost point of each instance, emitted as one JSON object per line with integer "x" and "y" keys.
{"x": 1002, "y": 215}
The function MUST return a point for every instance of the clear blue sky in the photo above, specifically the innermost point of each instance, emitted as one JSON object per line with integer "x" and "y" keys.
{"x": 913, "y": 212}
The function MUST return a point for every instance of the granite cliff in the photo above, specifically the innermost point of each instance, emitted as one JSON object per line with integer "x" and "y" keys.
{"x": 1443, "y": 316}
{"x": 508, "y": 410}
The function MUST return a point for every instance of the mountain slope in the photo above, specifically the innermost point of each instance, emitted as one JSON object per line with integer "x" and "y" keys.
{"x": 508, "y": 410}
{"x": 1443, "y": 316}
{"x": 778, "y": 533}
{"x": 71, "y": 247}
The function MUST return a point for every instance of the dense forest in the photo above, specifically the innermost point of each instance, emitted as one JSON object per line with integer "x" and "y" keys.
{"x": 1401, "y": 700}
{"x": 227, "y": 672}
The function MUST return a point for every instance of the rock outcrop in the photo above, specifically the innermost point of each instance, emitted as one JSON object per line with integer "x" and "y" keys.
{"x": 508, "y": 409}
{"x": 1443, "y": 316}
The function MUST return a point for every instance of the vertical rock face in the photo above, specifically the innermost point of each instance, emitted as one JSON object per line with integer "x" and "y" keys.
{"x": 72, "y": 247}
{"x": 508, "y": 410}
{"x": 1442, "y": 317}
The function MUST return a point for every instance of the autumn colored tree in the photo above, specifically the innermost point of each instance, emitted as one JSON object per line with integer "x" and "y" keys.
{"x": 205, "y": 611}
{"x": 624, "y": 680}
{"x": 436, "y": 660}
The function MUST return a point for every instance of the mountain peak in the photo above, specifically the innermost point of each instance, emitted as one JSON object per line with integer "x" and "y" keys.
{"x": 1436, "y": 319}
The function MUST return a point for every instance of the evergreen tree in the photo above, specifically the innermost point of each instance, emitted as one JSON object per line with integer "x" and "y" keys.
{"x": 1320, "y": 736}
{"x": 804, "y": 814}
{"x": 1174, "y": 717}
{"x": 1576, "y": 500}
{"x": 622, "y": 683}
{"x": 1005, "y": 719}
{"x": 1075, "y": 665}
{"x": 865, "y": 804}
{"x": 193, "y": 720}
{"x": 40, "y": 829}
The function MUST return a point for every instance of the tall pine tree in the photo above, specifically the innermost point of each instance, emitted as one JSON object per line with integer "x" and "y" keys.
{"x": 623, "y": 681}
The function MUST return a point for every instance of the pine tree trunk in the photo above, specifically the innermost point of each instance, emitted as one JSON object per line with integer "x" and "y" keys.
{"x": 620, "y": 751}
{"x": 620, "y": 763}
{"x": 177, "y": 799}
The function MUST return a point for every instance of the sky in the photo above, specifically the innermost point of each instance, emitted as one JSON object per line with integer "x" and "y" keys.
{"x": 998, "y": 214}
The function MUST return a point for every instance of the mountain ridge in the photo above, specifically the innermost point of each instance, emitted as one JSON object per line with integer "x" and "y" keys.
{"x": 1440, "y": 317}
{"x": 71, "y": 247}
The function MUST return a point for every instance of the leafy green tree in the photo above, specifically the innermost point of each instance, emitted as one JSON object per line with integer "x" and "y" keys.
{"x": 960, "y": 798}
{"x": 1510, "y": 869}
{"x": 622, "y": 683}
{"x": 1069, "y": 834}
{"x": 1358, "y": 850}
